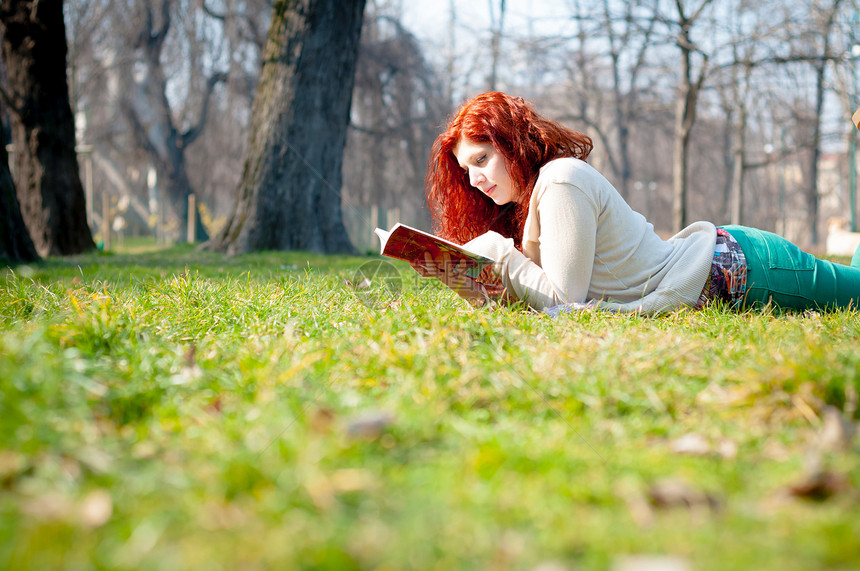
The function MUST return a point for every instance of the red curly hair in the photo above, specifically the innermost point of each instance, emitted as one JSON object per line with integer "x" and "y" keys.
{"x": 526, "y": 140}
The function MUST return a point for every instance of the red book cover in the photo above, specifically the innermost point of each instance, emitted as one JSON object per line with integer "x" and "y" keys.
{"x": 409, "y": 244}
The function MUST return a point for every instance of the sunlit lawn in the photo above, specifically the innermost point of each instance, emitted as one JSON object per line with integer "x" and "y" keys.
{"x": 177, "y": 409}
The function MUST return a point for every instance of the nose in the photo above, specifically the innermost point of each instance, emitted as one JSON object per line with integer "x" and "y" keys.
{"x": 476, "y": 177}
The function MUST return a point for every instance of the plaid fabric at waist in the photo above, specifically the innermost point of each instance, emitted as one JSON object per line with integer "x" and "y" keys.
{"x": 728, "y": 278}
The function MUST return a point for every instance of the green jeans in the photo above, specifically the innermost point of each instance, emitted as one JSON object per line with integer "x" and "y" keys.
{"x": 780, "y": 273}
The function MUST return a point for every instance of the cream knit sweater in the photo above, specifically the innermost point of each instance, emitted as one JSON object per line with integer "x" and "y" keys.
{"x": 584, "y": 245}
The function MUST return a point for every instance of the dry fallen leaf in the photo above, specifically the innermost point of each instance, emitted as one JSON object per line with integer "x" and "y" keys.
{"x": 222, "y": 515}
{"x": 96, "y": 509}
{"x": 727, "y": 449}
{"x": 691, "y": 443}
{"x": 351, "y": 480}
{"x": 321, "y": 420}
{"x": 95, "y": 459}
{"x": 836, "y": 431}
{"x": 549, "y": 566}
{"x": 320, "y": 490}
{"x": 323, "y": 488}
{"x": 215, "y": 406}
{"x": 509, "y": 548}
{"x": 189, "y": 357}
{"x": 651, "y": 563}
{"x": 11, "y": 464}
{"x": 697, "y": 445}
{"x": 819, "y": 486}
{"x": 717, "y": 394}
{"x": 50, "y": 506}
{"x": 640, "y": 508}
{"x": 775, "y": 450}
{"x": 370, "y": 425}
{"x": 672, "y": 493}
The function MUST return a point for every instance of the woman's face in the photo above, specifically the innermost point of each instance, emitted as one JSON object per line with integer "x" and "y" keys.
{"x": 487, "y": 168}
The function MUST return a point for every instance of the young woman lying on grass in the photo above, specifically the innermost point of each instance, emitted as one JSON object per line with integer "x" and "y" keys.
{"x": 514, "y": 186}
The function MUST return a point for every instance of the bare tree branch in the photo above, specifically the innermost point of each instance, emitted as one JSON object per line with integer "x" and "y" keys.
{"x": 212, "y": 13}
{"x": 8, "y": 101}
{"x": 191, "y": 134}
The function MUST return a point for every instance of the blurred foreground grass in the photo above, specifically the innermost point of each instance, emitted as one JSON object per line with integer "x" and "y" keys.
{"x": 177, "y": 409}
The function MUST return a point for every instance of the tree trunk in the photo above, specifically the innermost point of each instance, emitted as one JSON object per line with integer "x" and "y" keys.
{"x": 684, "y": 114}
{"x": 738, "y": 168}
{"x": 177, "y": 190}
{"x": 154, "y": 128}
{"x": 739, "y": 163}
{"x": 679, "y": 180}
{"x": 811, "y": 191}
{"x": 820, "y": 68}
{"x": 497, "y": 26}
{"x": 624, "y": 171}
{"x": 728, "y": 155}
{"x": 289, "y": 197}
{"x": 628, "y": 60}
{"x": 46, "y": 170}
{"x": 15, "y": 243}
{"x": 685, "y": 109}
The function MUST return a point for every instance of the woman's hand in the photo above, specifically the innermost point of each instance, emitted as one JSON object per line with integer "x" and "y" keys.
{"x": 454, "y": 276}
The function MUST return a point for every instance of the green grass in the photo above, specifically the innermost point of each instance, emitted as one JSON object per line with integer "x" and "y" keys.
{"x": 177, "y": 409}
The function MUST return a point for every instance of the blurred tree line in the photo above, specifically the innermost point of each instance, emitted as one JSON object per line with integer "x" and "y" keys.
{"x": 725, "y": 110}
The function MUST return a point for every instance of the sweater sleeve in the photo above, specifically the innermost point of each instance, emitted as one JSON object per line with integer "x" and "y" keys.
{"x": 568, "y": 220}
{"x": 568, "y": 237}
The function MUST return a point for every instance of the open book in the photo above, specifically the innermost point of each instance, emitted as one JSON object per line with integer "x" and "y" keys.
{"x": 409, "y": 244}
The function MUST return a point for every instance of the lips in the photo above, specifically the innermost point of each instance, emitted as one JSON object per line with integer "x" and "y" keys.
{"x": 490, "y": 190}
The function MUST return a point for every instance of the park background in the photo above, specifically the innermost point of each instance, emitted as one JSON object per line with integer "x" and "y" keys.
{"x": 769, "y": 140}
